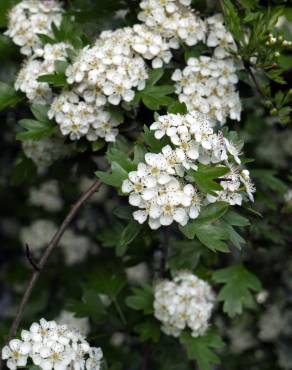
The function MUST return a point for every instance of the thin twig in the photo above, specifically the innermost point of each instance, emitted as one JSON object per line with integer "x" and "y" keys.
{"x": 53, "y": 243}
{"x": 255, "y": 81}
{"x": 30, "y": 258}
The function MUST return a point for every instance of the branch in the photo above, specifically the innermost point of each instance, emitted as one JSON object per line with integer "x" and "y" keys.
{"x": 52, "y": 245}
{"x": 255, "y": 81}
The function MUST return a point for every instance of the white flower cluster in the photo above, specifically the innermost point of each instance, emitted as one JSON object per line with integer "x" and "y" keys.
{"x": 46, "y": 151}
{"x": 38, "y": 235}
{"x": 41, "y": 63}
{"x": 30, "y": 18}
{"x": 185, "y": 302}
{"x": 52, "y": 346}
{"x": 47, "y": 196}
{"x": 161, "y": 187}
{"x": 110, "y": 70}
{"x": 173, "y": 20}
{"x": 78, "y": 118}
{"x": 208, "y": 84}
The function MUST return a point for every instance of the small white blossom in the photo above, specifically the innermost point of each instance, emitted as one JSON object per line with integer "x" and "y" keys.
{"x": 16, "y": 353}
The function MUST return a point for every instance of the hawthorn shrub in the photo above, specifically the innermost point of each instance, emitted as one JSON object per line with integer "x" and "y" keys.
{"x": 145, "y": 184}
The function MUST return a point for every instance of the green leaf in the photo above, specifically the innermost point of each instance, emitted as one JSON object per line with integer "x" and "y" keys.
{"x": 129, "y": 234}
{"x": 115, "y": 178}
{"x": 188, "y": 255}
{"x": 45, "y": 39}
{"x": 148, "y": 330}
{"x": 116, "y": 113}
{"x": 142, "y": 299}
{"x": 235, "y": 219}
{"x": 122, "y": 158}
{"x": 108, "y": 282}
{"x": 232, "y": 19}
{"x": 213, "y": 237}
{"x": 68, "y": 31}
{"x": 200, "y": 349}
{"x": 177, "y": 107}
{"x": 154, "y": 144}
{"x": 61, "y": 66}
{"x": 110, "y": 236}
{"x": 155, "y": 97}
{"x": 233, "y": 235}
{"x": 89, "y": 306}
{"x": 40, "y": 112}
{"x": 236, "y": 293}
{"x": 55, "y": 79}
{"x": 212, "y": 212}
{"x": 139, "y": 154}
{"x": 8, "y": 96}
{"x": 97, "y": 145}
{"x": 35, "y": 130}
{"x": 23, "y": 172}
{"x": 205, "y": 175}
{"x": 154, "y": 76}
{"x": 209, "y": 214}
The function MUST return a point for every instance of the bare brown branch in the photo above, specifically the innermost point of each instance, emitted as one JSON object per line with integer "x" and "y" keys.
{"x": 41, "y": 264}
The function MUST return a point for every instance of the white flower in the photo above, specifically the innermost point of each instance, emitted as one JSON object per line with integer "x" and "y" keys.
{"x": 185, "y": 302}
{"x": 16, "y": 353}
{"x": 248, "y": 184}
